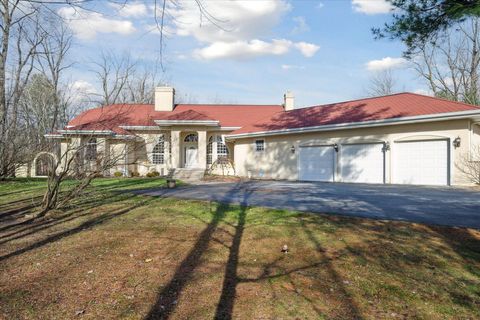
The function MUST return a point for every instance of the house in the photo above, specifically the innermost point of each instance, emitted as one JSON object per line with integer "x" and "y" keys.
{"x": 402, "y": 138}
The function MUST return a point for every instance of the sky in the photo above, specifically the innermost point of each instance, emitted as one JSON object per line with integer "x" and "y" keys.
{"x": 248, "y": 51}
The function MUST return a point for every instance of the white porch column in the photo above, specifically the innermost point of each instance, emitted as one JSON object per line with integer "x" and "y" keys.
{"x": 202, "y": 149}
{"x": 175, "y": 156}
{"x": 68, "y": 150}
{"x": 103, "y": 152}
{"x": 214, "y": 149}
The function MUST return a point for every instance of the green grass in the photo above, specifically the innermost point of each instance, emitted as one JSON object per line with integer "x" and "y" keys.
{"x": 113, "y": 254}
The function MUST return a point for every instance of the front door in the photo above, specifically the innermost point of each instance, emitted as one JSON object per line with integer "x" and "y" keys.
{"x": 190, "y": 157}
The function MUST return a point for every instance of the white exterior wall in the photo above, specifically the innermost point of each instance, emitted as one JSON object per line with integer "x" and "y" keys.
{"x": 278, "y": 162}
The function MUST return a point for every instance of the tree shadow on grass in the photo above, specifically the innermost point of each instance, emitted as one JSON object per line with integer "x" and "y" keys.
{"x": 231, "y": 280}
{"x": 23, "y": 227}
{"x": 350, "y": 307}
{"x": 167, "y": 298}
{"x": 94, "y": 221}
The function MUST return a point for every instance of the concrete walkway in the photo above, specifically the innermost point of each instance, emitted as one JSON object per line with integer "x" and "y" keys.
{"x": 431, "y": 205}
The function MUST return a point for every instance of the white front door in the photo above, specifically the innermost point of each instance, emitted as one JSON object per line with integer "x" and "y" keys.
{"x": 362, "y": 163}
{"x": 421, "y": 162}
{"x": 317, "y": 163}
{"x": 190, "y": 157}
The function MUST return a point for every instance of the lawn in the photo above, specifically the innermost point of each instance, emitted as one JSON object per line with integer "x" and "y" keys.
{"x": 114, "y": 254}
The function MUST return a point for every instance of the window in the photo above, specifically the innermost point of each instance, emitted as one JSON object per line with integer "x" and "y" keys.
{"x": 91, "y": 149}
{"x": 222, "y": 151}
{"x": 191, "y": 138}
{"x": 210, "y": 150}
{"x": 158, "y": 152}
{"x": 259, "y": 145}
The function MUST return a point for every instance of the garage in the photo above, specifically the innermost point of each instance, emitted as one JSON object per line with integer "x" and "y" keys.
{"x": 317, "y": 163}
{"x": 362, "y": 163}
{"x": 421, "y": 162}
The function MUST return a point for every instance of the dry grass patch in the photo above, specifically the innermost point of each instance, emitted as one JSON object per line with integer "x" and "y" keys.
{"x": 115, "y": 255}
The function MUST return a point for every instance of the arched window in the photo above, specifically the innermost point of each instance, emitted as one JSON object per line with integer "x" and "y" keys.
{"x": 192, "y": 137}
{"x": 222, "y": 150}
{"x": 44, "y": 164}
{"x": 91, "y": 149}
{"x": 210, "y": 150}
{"x": 158, "y": 152}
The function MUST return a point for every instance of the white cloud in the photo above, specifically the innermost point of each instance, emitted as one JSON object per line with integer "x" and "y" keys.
{"x": 423, "y": 91}
{"x": 86, "y": 24}
{"x": 250, "y": 49}
{"x": 291, "y": 66}
{"x": 84, "y": 86}
{"x": 372, "y": 6}
{"x": 231, "y": 20}
{"x": 80, "y": 90}
{"x": 236, "y": 29}
{"x": 307, "y": 49}
{"x": 385, "y": 63}
{"x": 300, "y": 25}
{"x": 243, "y": 49}
{"x": 134, "y": 9}
{"x": 320, "y": 5}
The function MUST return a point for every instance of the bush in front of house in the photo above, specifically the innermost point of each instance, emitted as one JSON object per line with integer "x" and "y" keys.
{"x": 153, "y": 174}
{"x": 118, "y": 174}
{"x": 134, "y": 174}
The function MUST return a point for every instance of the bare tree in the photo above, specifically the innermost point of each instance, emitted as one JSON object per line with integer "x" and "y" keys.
{"x": 113, "y": 72}
{"x": 450, "y": 64}
{"x": 53, "y": 63}
{"x": 22, "y": 33}
{"x": 382, "y": 83}
{"x": 469, "y": 165}
{"x": 85, "y": 157}
{"x": 123, "y": 80}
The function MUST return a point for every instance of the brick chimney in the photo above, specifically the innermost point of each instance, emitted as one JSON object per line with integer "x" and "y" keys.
{"x": 288, "y": 101}
{"x": 164, "y": 98}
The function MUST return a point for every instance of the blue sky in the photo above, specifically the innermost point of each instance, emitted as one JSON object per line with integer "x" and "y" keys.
{"x": 323, "y": 51}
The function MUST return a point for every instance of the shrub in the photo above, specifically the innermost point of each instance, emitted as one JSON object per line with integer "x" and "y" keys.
{"x": 118, "y": 174}
{"x": 153, "y": 174}
{"x": 134, "y": 174}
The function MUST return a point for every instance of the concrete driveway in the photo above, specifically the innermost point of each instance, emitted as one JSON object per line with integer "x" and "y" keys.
{"x": 431, "y": 205}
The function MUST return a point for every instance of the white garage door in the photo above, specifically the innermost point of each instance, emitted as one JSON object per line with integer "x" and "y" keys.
{"x": 317, "y": 163}
{"x": 421, "y": 162}
{"x": 362, "y": 163}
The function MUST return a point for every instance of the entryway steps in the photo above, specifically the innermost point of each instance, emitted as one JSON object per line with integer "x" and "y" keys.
{"x": 187, "y": 174}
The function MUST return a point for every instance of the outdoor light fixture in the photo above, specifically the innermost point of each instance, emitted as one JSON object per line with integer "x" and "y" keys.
{"x": 456, "y": 142}
{"x": 292, "y": 149}
{"x": 387, "y": 146}
{"x": 335, "y": 147}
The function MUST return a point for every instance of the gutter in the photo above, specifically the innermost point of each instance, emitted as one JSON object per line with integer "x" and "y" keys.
{"x": 212, "y": 123}
{"x": 139, "y": 127}
{"x": 90, "y": 132}
{"x": 363, "y": 124}
{"x": 53, "y": 136}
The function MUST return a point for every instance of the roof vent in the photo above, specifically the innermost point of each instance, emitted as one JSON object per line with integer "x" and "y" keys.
{"x": 288, "y": 101}
{"x": 164, "y": 98}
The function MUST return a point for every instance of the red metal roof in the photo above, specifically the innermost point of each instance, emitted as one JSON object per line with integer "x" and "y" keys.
{"x": 378, "y": 108}
{"x": 112, "y": 116}
{"x": 259, "y": 118}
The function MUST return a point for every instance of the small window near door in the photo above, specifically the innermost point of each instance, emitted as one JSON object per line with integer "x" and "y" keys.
{"x": 210, "y": 150}
{"x": 158, "y": 152}
{"x": 222, "y": 151}
{"x": 91, "y": 150}
{"x": 259, "y": 145}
